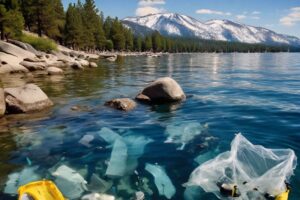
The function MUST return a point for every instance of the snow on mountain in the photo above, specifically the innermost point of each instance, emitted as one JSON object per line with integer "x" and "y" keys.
{"x": 173, "y": 24}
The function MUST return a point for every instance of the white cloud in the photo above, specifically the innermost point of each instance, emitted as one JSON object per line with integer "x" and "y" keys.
{"x": 151, "y": 2}
{"x": 240, "y": 17}
{"x": 255, "y": 13}
{"x": 292, "y": 18}
{"x": 212, "y": 12}
{"x": 255, "y": 17}
{"x": 142, "y": 11}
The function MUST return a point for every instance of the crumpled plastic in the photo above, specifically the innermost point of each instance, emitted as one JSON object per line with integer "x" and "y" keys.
{"x": 248, "y": 166}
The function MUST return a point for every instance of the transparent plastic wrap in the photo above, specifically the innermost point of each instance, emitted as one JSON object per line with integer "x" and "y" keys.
{"x": 254, "y": 169}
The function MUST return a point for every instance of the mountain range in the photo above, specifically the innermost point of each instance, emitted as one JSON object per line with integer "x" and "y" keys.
{"x": 173, "y": 24}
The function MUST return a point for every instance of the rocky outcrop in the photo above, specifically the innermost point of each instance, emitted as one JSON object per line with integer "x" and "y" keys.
{"x": 6, "y": 68}
{"x": 76, "y": 65}
{"x": 124, "y": 104}
{"x": 15, "y": 50}
{"x": 163, "y": 90}
{"x": 93, "y": 65}
{"x": 2, "y": 102}
{"x": 54, "y": 71}
{"x": 34, "y": 66}
{"x": 26, "y": 99}
{"x": 26, "y": 47}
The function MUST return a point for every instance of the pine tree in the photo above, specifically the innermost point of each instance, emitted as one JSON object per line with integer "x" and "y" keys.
{"x": 117, "y": 35}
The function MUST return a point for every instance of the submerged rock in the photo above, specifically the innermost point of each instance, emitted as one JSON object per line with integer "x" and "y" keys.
{"x": 139, "y": 196}
{"x": 163, "y": 90}
{"x": 2, "y": 103}
{"x": 25, "y": 99}
{"x": 124, "y": 104}
{"x": 54, "y": 71}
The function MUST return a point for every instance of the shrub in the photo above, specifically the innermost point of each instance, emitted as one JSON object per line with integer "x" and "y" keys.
{"x": 39, "y": 43}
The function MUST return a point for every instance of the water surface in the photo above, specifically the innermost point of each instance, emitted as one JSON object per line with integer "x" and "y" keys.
{"x": 255, "y": 94}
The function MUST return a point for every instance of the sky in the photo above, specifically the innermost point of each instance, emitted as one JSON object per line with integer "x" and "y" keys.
{"x": 282, "y": 16}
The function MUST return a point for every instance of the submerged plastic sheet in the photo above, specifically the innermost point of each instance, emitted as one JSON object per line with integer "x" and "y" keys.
{"x": 264, "y": 169}
{"x": 162, "y": 181}
{"x": 109, "y": 135}
{"x": 71, "y": 183}
{"x": 183, "y": 134}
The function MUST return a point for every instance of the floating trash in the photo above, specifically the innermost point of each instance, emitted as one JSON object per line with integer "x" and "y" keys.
{"x": 70, "y": 183}
{"x": 108, "y": 135}
{"x": 246, "y": 166}
{"x": 86, "y": 139}
{"x": 97, "y": 184}
{"x": 17, "y": 179}
{"x": 162, "y": 181}
{"x": 117, "y": 163}
{"x": 97, "y": 196}
{"x": 184, "y": 133}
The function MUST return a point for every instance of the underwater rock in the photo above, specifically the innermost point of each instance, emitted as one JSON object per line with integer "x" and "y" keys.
{"x": 17, "y": 179}
{"x": 183, "y": 133}
{"x": 86, "y": 139}
{"x": 163, "y": 90}
{"x": 124, "y": 104}
{"x": 139, "y": 196}
{"x": 2, "y": 103}
{"x": 26, "y": 99}
{"x": 97, "y": 196}
{"x": 70, "y": 183}
{"x": 117, "y": 163}
{"x": 162, "y": 181}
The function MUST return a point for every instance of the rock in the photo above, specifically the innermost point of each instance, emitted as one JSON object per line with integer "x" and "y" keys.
{"x": 12, "y": 69}
{"x": 93, "y": 65}
{"x": 34, "y": 66}
{"x": 15, "y": 50}
{"x": 76, "y": 65}
{"x": 35, "y": 59}
{"x": 54, "y": 71}
{"x": 83, "y": 63}
{"x": 2, "y": 102}
{"x": 26, "y": 47}
{"x": 26, "y": 99}
{"x": 163, "y": 90}
{"x": 112, "y": 58}
{"x": 97, "y": 196}
{"x": 124, "y": 104}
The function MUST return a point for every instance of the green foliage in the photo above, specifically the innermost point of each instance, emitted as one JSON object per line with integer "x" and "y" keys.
{"x": 11, "y": 20}
{"x": 39, "y": 43}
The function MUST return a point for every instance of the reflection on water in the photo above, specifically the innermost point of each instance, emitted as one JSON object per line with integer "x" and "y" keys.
{"x": 256, "y": 94}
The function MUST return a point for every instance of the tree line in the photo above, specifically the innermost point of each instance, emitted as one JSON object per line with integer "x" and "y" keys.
{"x": 83, "y": 27}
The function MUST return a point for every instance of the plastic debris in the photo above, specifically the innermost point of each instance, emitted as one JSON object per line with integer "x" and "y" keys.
{"x": 184, "y": 133}
{"x": 85, "y": 140}
{"x": 136, "y": 145}
{"x": 162, "y": 181}
{"x": 99, "y": 185}
{"x": 17, "y": 179}
{"x": 71, "y": 183}
{"x": 248, "y": 166}
{"x": 117, "y": 164}
{"x": 97, "y": 196}
{"x": 108, "y": 135}
{"x": 139, "y": 196}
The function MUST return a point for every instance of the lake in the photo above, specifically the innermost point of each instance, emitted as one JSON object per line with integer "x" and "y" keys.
{"x": 252, "y": 93}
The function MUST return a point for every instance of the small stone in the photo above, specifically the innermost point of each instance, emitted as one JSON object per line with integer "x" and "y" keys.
{"x": 124, "y": 104}
{"x": 93, "y": 65}
{"x": 54, "y": 71}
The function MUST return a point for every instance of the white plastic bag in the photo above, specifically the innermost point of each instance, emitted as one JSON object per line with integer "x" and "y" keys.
{"x": 248, "y": 166}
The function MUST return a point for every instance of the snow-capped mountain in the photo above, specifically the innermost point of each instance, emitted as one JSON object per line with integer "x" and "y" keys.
{"x": 173, "y": 24}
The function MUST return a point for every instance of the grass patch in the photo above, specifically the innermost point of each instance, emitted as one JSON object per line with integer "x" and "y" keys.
{"x": 39, "y": 43}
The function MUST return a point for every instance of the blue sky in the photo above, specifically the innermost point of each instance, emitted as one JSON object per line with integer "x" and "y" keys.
{"x": 282, "y": 16}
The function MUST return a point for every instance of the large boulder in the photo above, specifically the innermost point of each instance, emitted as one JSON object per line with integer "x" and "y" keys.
{"x": 163, "y": 90}
{"x": 26, "y": 47}
{"x": 76, "y": 65}
{"x": 15, "y": 50}
{"x": 54, "y": 71}
{"x": 2, "y": 102}
{"x": 124, "y": 104}
{"x": 93, "y": 65}
{"x": 26, "y": 99}
{"x": 10, "y": 64}
{"x": 33, "y": 66}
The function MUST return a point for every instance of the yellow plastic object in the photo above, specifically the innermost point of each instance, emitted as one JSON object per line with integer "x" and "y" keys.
{"x": 283, "y": 196}
{"x": 41, "y": 190}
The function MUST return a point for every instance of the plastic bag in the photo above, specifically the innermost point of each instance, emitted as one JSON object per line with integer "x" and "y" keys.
{"x": 248, "y": 167}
